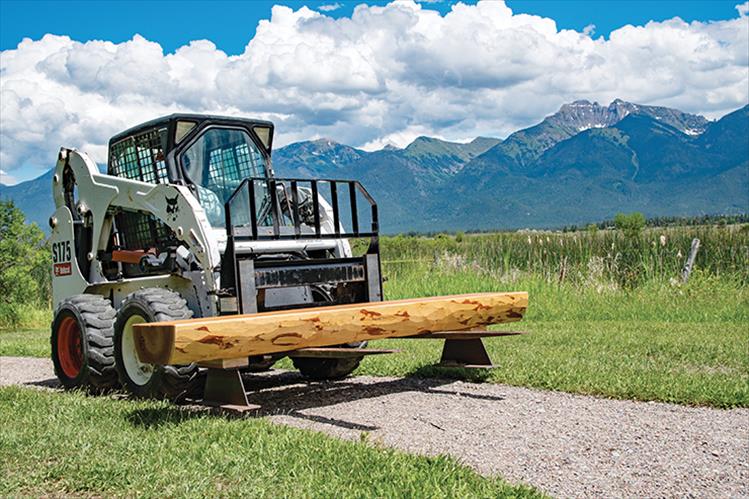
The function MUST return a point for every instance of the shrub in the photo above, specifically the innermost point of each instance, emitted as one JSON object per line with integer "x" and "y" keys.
{"x": 631, "y": 225}
{"x": 24, "y": 265}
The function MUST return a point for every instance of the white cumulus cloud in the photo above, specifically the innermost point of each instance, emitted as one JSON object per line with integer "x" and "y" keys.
{"x": 386, "y": 74}
{"x": 743, "y": 9}
{"x": 329, "y": 7}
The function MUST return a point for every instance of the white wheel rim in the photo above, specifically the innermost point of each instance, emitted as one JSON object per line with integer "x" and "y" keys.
{"x": 138, "y": 372}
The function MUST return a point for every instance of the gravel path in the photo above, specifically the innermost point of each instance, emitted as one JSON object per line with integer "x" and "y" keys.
{"x": 567, "y": 445}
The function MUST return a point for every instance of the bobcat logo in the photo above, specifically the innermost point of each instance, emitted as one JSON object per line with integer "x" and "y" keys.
{"x": 172, "y": 208}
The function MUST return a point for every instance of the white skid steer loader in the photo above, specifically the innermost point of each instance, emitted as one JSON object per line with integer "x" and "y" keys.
{"x": 189, "y": 221}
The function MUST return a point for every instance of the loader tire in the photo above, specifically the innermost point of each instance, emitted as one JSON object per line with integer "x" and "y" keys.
{"x": 146, "y": 380}
{"x": 260, "y": 363}
{"x": 328, "y": 369}
{"x": 82, "y": 342}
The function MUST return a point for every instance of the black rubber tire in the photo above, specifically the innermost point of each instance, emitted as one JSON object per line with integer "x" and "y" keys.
{"x": 261, "y": 363}
{"x": 328, "y": 369}
{"x": 94, "y": 317}
{"x": 167, "y": 382}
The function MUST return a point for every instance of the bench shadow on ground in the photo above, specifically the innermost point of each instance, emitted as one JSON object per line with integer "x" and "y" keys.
{"x": 287, "y": 393}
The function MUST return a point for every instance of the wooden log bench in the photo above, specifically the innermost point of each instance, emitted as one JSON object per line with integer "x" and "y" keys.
{"x": 223, "y": 344}
{"x": 236, "y": 336}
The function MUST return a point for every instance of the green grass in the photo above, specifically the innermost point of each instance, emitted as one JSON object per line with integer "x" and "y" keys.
{"x": 23, "y": 316}
{"x": 25, "y": 343}
{"x": 74, "y": 445}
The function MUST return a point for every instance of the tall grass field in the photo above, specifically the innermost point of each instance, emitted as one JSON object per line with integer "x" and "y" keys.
{"x": 599, "y": 257}
{"x": 609, "y": 313}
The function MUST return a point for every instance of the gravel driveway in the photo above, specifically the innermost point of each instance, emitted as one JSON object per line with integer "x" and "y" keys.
{"x": 567, "y": 445}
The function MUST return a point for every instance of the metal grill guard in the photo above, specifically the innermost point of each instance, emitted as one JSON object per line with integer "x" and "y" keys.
{"x": 360, "y": 277}
{"x": 140, "y": 157}
{"x": 276, "y": 184}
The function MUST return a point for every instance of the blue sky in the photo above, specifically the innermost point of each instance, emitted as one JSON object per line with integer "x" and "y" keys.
{"x": 367, "y": 75}
{"x": 231, "y": 24}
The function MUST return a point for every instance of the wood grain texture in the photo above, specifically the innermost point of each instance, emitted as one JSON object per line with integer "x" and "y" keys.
{"x": 215, "y": 338}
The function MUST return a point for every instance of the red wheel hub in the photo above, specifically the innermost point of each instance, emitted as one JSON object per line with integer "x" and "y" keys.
{"x": 70, "y": 347}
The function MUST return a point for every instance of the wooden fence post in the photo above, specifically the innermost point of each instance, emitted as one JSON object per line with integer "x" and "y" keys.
{"x": 690, "y": 260}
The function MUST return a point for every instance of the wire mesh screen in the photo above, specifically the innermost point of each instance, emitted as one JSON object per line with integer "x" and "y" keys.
{"x": 216, "y": 163}
{"x": 142, "y": 231}
{"x": 140, "y": 157}
{"x": 231, "y": 160}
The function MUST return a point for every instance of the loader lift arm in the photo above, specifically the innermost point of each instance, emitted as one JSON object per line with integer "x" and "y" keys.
{"x": 78, "y": 188}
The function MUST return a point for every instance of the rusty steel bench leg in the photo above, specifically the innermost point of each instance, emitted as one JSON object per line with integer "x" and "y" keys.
{"x": 225, "y": 387}
{"x": 469, "y": 353}
{"x": 465, "y": 348}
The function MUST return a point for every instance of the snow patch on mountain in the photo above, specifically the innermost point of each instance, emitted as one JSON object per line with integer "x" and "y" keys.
{"x": 583, "y": 115}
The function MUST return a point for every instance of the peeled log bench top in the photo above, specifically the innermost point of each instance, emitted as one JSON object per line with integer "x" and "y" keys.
{"x": 234, "y": 336}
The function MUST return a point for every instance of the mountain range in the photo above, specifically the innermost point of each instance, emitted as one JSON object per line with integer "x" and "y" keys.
{"x": 584, "y": 163}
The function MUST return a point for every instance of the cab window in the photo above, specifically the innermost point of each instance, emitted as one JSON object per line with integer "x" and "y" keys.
{"x": 216, "y": 163}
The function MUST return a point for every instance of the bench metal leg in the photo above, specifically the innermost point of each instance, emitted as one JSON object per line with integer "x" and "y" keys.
{"x": 469, "y": 353}
{"x": 225, "y": 387}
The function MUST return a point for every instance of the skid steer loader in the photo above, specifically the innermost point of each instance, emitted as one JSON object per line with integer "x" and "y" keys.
{"x": 190, "y": 262}
{"x": 190, "y": 221}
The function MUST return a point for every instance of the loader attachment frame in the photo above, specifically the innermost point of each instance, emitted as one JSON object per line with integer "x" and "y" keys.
{"x": 286, "y": 201}
{"x": 295, "y": 209}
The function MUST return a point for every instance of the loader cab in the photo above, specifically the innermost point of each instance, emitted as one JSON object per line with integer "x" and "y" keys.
{"x": 216, "y": 162}
{"x": 211, "y": 155}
